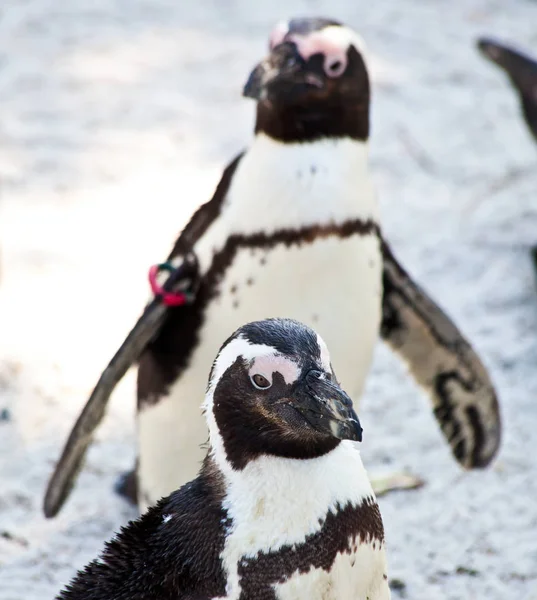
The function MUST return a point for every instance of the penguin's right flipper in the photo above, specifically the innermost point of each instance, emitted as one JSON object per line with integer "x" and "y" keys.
{"x": 148, "y": 325}
{"x": 145, "y": 330}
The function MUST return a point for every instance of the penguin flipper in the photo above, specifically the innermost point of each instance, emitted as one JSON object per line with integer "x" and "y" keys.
{"x": 522, "y": 71}
{"x": 145, "y": 330}
{"x": 148, "y": 325}
{"x": 443, "y": 363}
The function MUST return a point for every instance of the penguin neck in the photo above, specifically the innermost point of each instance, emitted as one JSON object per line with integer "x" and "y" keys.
{"x": 302, "y": 184}
{"x": 322, "y": 156}
{"x": 307, "y": 123}
{"x": 266, "y": 474}
{"x": 289, "y": 498}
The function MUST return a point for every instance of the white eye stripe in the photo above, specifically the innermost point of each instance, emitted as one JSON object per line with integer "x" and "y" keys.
{"x": 333, "y": 42}
{"x": 278, "y": 34}
{"x": 325, "y": 355}
{"x": 237, "y": 347}
{"x": 263, "y": 359}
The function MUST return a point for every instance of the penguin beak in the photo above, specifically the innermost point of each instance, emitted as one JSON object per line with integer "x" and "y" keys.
{"x": 327, "y": 408}
{"x": 260, "y": 77}
{"x": 282, "y": 76}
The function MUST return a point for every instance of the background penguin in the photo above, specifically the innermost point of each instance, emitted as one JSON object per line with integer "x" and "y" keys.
{"x": 522, "y": 71}
{"x": 282, "y": 507}
{"x": 293, "y": 231}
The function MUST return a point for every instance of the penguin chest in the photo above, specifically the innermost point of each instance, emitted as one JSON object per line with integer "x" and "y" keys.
{"x": 332, "y": 284}
{"x": 304, "y": 530}
{"x": 308, "y": 220}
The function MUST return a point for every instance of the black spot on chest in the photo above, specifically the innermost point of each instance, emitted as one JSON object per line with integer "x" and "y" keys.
{"x": 341, "y": 533}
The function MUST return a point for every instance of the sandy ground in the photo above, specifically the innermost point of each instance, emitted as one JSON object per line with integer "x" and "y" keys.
{"x": 116, "y": 117}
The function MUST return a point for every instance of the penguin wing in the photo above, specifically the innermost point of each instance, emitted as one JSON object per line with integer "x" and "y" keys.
{"x": 171, "y": 552}
{"x": 442, "y": 362}
{"x": 522, "y": 71}
{"x": 145, "y": 330}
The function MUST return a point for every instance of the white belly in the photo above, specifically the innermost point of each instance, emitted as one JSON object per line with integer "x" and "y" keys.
{"x": 356, "y": 576}
{"x": 332, "y": 285}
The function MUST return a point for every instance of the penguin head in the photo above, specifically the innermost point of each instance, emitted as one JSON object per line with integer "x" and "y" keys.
{"x": 314, "y": 66}
{"x": 521, "y": 68}
{"x": 272, "y": 391}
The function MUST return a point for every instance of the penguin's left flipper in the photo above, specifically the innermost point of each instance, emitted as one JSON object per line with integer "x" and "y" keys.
{"x": 148, "y": 325}
{"x": 443, "y": 363}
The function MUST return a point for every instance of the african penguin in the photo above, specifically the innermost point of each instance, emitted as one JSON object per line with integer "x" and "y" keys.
{"x": 522, "y": 71}
{"x": 282, "y": 507}
{"x": 297, "y": 215}
{"x": 293, "y": 230}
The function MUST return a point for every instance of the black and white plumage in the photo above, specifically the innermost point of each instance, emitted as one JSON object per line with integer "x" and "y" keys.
{"x": 282, "y": 507}
{"x": 521, "y": 70}
{"x": 293, "y": 230}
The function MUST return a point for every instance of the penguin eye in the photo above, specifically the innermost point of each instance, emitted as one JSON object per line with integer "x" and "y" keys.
{"x": 334, "y": 67}
{"x": 260, "y": 382}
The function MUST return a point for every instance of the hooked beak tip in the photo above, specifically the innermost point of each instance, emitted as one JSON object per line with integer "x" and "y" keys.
{"x": 248, "y": 91}
{"x": 335, "y": 408}
{"x": 348, "y": 429}
{"x": 359, "y": 431}
{"x": 255, "y": 86}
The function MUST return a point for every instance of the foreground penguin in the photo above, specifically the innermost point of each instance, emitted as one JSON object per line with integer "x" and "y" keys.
{"x": 522, "y": 71}
{"x": 293, "y": 229}
{"x": 282, "y": 507}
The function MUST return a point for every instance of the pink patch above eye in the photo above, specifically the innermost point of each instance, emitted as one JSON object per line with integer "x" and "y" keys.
{"x": 335, "y": 56}
{"x": 267, "y": 365}
{"x": 317, "y": 43}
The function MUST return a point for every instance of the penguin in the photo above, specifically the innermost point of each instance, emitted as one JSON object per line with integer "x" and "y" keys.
{"x": 292, "y": 230}
{"x": 521, "y": 70}
{"x": 282, "y": 507}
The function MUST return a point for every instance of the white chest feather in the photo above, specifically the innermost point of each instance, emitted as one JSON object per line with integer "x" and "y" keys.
{"x": 332, "y": 284}
{"x": 289, "y": 186}
{"x": 271, "y": 490}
